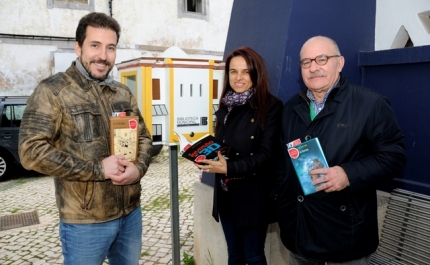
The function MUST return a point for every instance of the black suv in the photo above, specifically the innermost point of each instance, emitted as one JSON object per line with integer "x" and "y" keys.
{"x": 11, "y": 110}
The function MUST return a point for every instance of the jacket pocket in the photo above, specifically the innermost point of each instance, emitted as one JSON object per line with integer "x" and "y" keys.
{"x": 86, "y": 121}
{"x": 123, "y": 106}
{"x": 132, "y": 195}
{"x": 355, "y": 210}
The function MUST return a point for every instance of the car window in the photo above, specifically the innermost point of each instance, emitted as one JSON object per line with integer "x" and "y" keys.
{"x": 18, "y": 110}
{"x": 12, "y": 115}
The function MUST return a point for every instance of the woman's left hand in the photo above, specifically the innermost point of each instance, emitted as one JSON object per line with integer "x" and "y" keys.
{"x": 211, "y": 166}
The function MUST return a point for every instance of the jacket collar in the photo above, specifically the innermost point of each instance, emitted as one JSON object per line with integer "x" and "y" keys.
{"x": 252, "y": 101}
{"x": 84, "y": 83}
{"x": 335, "y": 93}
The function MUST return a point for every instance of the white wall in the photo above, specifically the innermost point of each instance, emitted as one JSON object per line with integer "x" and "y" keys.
{"x": 391, "y": 15}
{"x": 22, "y": 67}
{"x": 148, "y": 28}
{"x": 149, "y": 22}
{"x": 34, "y": 18}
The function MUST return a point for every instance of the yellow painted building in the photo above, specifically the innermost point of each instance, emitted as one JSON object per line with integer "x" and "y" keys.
{"x": 175, "y": 93}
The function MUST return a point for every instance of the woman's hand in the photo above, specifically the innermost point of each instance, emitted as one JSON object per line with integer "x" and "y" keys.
{"x": 219, "y": 166}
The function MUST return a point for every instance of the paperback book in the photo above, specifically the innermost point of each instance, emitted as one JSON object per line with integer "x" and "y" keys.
{"x": 305, "y": 157}
{"x": 206, "y": 147}
{"x": 124, "y": 136}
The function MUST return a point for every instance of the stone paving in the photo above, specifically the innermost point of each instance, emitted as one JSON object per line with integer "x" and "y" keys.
{"x": 40, "y": 244}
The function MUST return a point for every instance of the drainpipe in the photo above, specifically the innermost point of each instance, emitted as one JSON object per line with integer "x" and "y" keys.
{"x": 110, "y": 7}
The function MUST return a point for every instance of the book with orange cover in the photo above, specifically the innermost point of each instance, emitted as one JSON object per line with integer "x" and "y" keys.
{"x": 124, "y": 136}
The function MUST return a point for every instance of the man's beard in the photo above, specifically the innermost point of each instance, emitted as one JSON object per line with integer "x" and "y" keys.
{"x": 87, "y": 68}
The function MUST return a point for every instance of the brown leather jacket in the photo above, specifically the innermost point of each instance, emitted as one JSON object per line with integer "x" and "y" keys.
{"x": 65, "y": 133}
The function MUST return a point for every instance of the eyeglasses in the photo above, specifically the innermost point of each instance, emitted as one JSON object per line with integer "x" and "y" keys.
{"x": 320, "y": 60}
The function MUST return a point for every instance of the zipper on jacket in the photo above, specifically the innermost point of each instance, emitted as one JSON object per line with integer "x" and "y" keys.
{"x": 108, "y": 113}
{"x": 106, "y": 116}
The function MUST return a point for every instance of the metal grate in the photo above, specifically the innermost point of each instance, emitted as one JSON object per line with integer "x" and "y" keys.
{"x": 405, "y": 237}
{"x": 18, "y": 220}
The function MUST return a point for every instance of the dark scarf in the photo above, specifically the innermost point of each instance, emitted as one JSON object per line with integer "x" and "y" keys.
{"x": 232, "y": 99}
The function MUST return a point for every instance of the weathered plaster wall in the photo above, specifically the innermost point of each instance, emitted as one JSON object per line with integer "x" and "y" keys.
{"x": 391, "y": 15}
{"x": 156, "y": 23}
{"x": 34, "y": 18}
{"x": 22, "y": 67}
{"x": 144, "y": 22}
{"x": 148, "y": 28}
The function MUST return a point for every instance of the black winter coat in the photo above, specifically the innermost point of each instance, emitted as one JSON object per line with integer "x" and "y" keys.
{"x": 251, "y": 165}
{"x": 358, "y": 131}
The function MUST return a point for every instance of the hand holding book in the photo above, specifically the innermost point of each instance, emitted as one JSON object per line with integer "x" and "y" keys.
{"x": 307, "y": 156}
{"x": 207, "y": 147}
{"x": 124, "y": 136}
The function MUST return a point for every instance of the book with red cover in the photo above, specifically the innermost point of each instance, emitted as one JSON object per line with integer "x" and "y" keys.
{"x": 206, "y": 147}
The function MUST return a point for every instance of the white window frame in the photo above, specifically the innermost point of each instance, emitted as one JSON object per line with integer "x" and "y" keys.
{"x": 182, "y": 12}
{"x": 68, "y": 5}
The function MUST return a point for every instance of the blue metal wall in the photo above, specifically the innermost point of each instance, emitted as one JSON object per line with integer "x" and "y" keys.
{"x": 403, "y": 75}
{"x": 277, "y": 30}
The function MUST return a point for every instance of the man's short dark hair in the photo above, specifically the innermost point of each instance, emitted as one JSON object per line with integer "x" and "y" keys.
{"x": 96, "y": 20}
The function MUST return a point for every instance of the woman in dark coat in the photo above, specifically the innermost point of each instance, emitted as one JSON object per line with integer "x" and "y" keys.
{"x": 249, "y": 121}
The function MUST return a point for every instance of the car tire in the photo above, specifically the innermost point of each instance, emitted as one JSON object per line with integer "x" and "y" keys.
{"x": 6, "y": 166}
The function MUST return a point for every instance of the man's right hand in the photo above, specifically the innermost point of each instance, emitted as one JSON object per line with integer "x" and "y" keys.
{"x": 113, "y": 166}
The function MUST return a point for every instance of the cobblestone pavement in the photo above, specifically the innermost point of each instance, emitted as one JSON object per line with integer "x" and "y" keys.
{"x": 40, "y": 244}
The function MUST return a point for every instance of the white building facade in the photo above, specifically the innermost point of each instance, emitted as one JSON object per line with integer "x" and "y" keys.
{"x": 36, "y": 37}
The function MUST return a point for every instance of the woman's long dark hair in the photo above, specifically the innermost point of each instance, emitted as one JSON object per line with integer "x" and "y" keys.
{"x": 259, "y": 78}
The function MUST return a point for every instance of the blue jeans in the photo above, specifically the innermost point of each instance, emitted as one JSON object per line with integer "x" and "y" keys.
{"x": 244, "y": 245}
{"x": 119, "y": 240}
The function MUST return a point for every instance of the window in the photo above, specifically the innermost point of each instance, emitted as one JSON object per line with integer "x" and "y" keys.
{"x": 12, "y": 115}
{"x": 157, "y": 133}
{"x": 193, "y": 6}
{"x": 159, "y": 110}
{"x": 72, "y": 4}
{"x": 194, "y": 9}
{"x": 156, "y": 89}
{"x": 130, "y": 82}
{"x": 215, "y": 89}
{"x": 215, "y": 107}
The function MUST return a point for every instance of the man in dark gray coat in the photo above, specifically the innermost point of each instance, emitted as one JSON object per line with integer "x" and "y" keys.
{"x": 363, "y": 145}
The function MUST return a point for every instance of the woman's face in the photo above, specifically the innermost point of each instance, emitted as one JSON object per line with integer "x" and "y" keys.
{"x": 238, "y": 75}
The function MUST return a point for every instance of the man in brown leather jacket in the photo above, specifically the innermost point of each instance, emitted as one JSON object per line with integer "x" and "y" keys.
{"x": 65, "y": 134}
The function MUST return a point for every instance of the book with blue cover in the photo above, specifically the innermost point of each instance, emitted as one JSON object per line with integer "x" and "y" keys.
{"x": 206, "y": 147}
{"x": 305, "y": 157}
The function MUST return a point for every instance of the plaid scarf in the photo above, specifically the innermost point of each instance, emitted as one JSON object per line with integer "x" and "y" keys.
{"x": 232, "y": 99}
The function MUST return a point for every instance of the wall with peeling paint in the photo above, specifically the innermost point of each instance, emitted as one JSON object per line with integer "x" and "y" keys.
{"x": 22, "y": 67}
{"x": 148, "y": 28}
{"x": 156, "y": 23}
